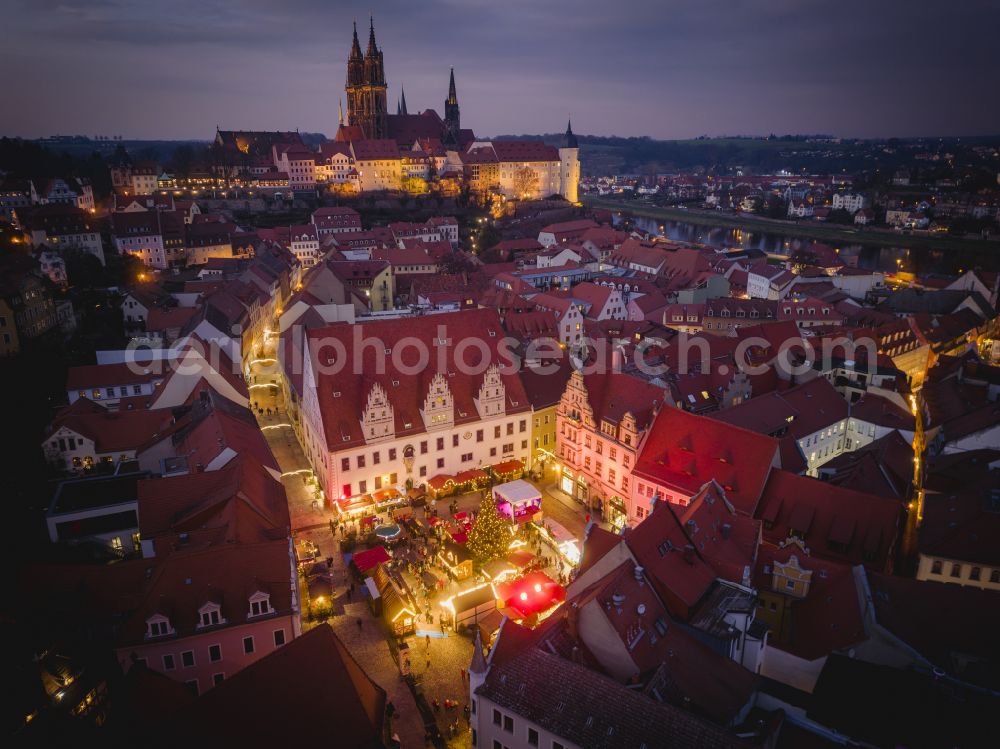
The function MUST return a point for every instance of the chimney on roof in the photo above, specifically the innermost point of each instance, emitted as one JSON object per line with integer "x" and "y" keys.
{"x": 638, "y": 574}
{"x": 689, "y": 554}
{"x": 727, "y": 530}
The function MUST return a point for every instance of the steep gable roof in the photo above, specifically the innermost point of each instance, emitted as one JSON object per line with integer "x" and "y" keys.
{"x": 833, "y": 522}
{"x": 683, "y": 451}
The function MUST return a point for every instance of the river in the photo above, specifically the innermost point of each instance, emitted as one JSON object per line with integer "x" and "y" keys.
{"x": 872, "y": 257}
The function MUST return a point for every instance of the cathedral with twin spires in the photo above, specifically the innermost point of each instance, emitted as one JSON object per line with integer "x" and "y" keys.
{"x": 367, "y": 103}
{"x": 516, "y": 169}
{"x": 375, "y": 151}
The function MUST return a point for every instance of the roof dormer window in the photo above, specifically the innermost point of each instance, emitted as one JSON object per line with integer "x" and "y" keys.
{"x": 210, "y": 615}
{"x": 260, "y": 604}
{"x": 158, "y": 626}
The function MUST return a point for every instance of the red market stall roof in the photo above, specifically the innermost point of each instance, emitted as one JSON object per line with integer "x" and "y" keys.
{"x": 520, "y": 558}
{"x": 532, "y": 594}
{"x": 508, "y": 466}
{"x": 354, "y": 504}
{"x": 471, "y": 475}
{"x": 460, "y": 537}
{"x": 461, "y": 515}
{"x": 432, "y": 521}
{"x": 370, "y": 558}
{"x": 438, "y": 482}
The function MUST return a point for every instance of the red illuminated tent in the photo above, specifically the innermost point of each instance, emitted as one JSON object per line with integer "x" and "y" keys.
{"x": 370, "y": 559}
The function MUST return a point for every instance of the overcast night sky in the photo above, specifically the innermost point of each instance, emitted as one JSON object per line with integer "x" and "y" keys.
{"x": 664, "y": 68}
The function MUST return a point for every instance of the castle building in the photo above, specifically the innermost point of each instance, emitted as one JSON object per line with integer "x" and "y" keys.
{"x": 376, "y": 151}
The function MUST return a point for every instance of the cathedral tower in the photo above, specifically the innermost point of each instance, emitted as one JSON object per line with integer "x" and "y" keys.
{"x": 452, "y": 119}
{"x": 366, "y": 87}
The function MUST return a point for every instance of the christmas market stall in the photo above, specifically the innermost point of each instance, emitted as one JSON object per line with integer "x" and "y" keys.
{"x": 397, "y": 606}
{"x": 508, "y": 470}
{"x": 354, "y": 507}
{"x": 365, "y": 561}
{"x": 440, "y": 485}
{"x": 471, "y": 481}
{"x": 388, "y": 498}
{"x": 521, "y": 558}
{"x": 470, "y": 606}
{"x": 497, "y": 570}
{"x": 518, "y": 501}
{"x": 456, "y": 559}
{"x": 529, "y": 597}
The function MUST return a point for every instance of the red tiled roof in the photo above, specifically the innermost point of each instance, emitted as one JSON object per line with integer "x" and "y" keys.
{"x": 705, "y": 681}
{"x": 833, "y": 522}
{"x": 312, "y": 680}
{"x": 225, "y": 427}
{"x": 524, "y": 150}
{"x": 683, "y": 451}
{"x": 375, "y": 150}
{"x": 97, "y": 376}
{"x": 183, "y": 581}
{"x": 406, "y": 392}
{"x": 592, "y": 294}
{"x": 369, "y": 559}
{"x": 114, "y": 431}
{"x": 165, "y": 318}
{"x": 802, "y": 410}
{"x": 240, "y": 502}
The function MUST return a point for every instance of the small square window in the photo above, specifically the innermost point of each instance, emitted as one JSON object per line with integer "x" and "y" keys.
{"x": 279, "y": 638}
{"x": 218, "y": 679}
{"x": 214, "y": 653}
{"x": 187, "y": 658}
{"x": 168, "y": 662}
{"x": 248, "y": 645}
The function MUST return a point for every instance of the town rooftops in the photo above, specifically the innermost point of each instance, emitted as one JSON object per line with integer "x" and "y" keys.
{"x": 581, "y": 705}
{"x": 799, "y": 411}
{"x": 833, "y": 522}
{"x": 342, "y": 396}
{"x": 828, "y": 618}
{"x": 113, "y": 431}
{"x": 683, "y": 451}
{"x": 524, "y": 150}
{"x": 97, "y": 376}
{"x": 375, "y": 150}
{"x": 182, "y": 581}
{"x": 239, "y": 503}
{"x": 313, "y": 680}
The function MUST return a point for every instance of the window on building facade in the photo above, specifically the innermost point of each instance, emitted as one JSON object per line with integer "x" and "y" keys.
{"x": 248, "y": 646}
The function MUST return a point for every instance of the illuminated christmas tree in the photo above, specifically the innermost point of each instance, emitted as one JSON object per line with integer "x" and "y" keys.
{"x": 489, "y": 538}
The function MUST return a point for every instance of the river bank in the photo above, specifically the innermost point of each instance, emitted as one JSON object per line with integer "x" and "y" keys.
{"x": 826, "y": 233}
